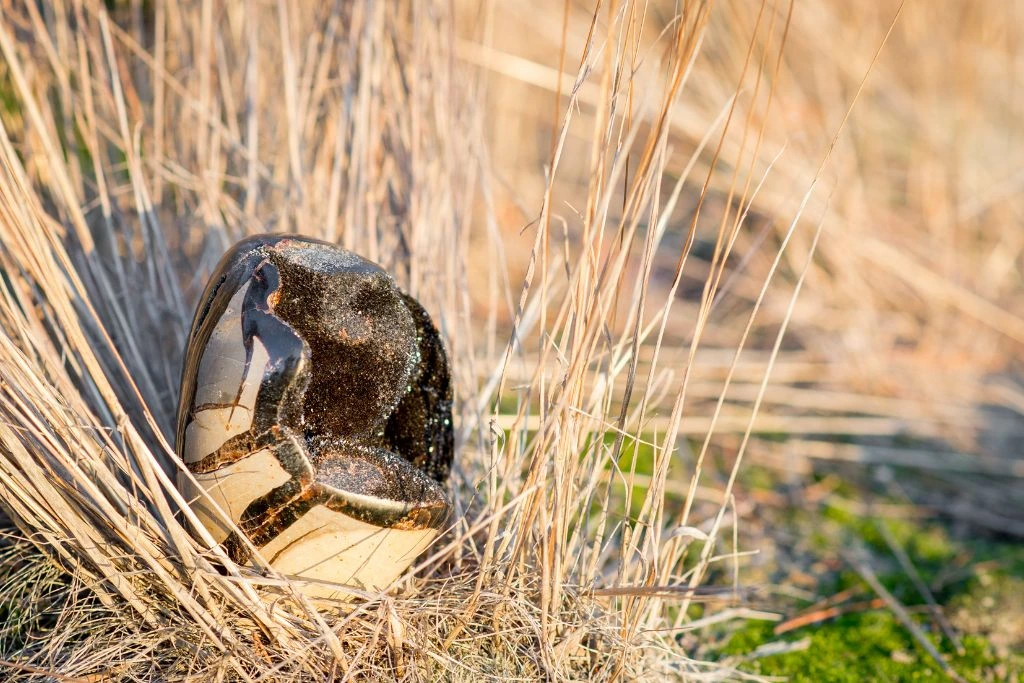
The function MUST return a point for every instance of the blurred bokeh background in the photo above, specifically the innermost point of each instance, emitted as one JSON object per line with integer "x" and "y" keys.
{"x": 897, "y": 402}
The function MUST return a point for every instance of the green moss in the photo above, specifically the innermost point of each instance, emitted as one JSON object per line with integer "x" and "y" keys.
{"x": 755, "y": 477}
{"x": 872, "y": 646}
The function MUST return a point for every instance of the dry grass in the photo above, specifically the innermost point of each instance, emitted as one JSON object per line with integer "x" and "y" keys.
{"x": 909, "y": 328}
{"x": 610, "y": 221}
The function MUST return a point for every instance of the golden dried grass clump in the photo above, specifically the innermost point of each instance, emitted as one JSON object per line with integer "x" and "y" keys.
{"x": 666, "y": 230}
{"x": 138, "y": 143}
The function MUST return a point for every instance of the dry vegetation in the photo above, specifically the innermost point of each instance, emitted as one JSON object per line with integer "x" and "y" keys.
{"x": 610, "y": 213}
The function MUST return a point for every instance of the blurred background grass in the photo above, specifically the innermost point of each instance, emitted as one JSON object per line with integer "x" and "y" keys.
{"x": 898, "y": 400}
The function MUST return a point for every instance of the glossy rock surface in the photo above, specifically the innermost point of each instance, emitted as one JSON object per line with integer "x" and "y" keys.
{"x": 315, "y": 411}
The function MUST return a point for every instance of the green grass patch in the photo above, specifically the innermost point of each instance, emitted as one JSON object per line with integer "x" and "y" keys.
{"x": 976, "y": 579}
{"x": 872, "y": 646}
